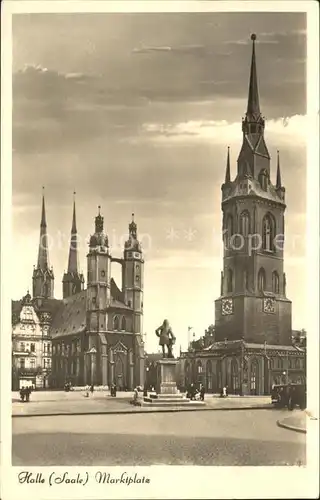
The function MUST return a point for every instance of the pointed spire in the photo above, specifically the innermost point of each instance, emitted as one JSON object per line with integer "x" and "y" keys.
{"x": 43, "y": 222}
{"x": 278, "y": 183}
{"x": 74, "y": 224}
{"x": 43, "y": 253}
{"x": 228, "y": 177}
{"x": 253, "y": 108}
{"x": 73, "y": 251}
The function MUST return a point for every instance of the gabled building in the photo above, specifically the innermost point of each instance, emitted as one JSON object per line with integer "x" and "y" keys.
{"x": 253, "y": 348}
{"x": 96, "y": 332}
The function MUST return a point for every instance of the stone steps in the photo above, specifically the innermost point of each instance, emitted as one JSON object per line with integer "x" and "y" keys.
{"x": 171, "y": 404}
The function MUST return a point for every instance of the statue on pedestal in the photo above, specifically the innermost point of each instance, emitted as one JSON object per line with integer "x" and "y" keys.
{"x": 166, "y": 338}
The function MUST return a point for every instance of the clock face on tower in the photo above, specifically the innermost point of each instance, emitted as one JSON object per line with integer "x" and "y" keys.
{"x": 269, "y": 305}
{"x": 227, "y": 307}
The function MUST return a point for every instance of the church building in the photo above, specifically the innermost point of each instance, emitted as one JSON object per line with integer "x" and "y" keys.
{"x": 94, "y": 334}
{"x": 253, "y": 333}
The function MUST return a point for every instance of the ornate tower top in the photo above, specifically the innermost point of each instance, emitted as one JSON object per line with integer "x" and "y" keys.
{"x": 132, "y": 242}
{"x": 99, "y": 239}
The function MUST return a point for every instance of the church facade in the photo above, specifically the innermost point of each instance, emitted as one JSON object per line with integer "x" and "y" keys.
{"x": 94, "y": 333}
{"x": 253, "y": 348}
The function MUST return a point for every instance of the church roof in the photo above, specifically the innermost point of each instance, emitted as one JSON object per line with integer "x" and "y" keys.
{"x": 70, "y": 318}
{"x": 234, "y": 344}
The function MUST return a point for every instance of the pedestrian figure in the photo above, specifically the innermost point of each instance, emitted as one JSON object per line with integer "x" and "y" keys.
{"x": 27, "y": 393}
{"x": 202, "y": 392}
{"x": 92, "y": 389}
{"x": 224, "y": 392}
{"x": 22, "y": 393}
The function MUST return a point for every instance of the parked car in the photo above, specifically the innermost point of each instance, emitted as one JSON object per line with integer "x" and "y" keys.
{"x": 289, "y": 395}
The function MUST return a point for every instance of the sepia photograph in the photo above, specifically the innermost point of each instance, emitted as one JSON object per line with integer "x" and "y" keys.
{"x": 158, "y": 273}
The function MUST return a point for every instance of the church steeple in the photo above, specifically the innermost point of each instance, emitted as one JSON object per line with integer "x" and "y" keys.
{"x": 253, "y": 108}
{"x": 43, "y": 252}
{"x": 73, "y": 281}
{"x": 43, "y": 278}
{"x": 73, "y": 251}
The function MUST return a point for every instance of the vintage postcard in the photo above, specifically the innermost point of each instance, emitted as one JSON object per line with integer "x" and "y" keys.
{"x": 159, "y": 249}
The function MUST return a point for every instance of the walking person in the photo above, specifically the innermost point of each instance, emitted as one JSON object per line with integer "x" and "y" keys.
{"x": 202, "y": 392}
{"x": 92, "y": 389}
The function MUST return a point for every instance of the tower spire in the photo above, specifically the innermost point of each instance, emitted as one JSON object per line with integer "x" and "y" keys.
{"x": 228, "y": 176}
{"x": 43, "y": 253}
{"x": 278, "y": 183}
{"x": 253, "y": 108}
{"x": 43, "y": 277}
{"x": 73, "y": 281}
{"x": 73, "y": 251}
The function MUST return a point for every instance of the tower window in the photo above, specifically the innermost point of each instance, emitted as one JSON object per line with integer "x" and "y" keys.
{"x": 103, "y": 274}
{"x": 116, "y": 323}
{"x": 129, "y": 303}
{"x": 268, "y": 233}
{"x": 123, "y": 323}
{"x": 94, "y": 300}
{"x": 228, "y": 229}
{"x": 275, "y": 282}
{"x": 229, "y": 281}
{"x": 245, "y": 223}
{"x": 261, "y": 280}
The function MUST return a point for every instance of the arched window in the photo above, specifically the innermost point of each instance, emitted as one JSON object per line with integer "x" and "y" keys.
{"x": 219, "y": 375}
{"x": 254, "y": 373}
{"x": 235, "y": 376}
{"x": 268, "y": 233}
{"x": 261, "y": 280}
{"x": 275, "y": 282}
{"x": 228, "y": 229}
{"x": 209, "y": 375}
{"x": 278, "y": 363}
{"x": 229, "y": 281}
{"x": 245, "y": 223}
{"x": 116, "y": 323}
{"x": 123, "y": 323}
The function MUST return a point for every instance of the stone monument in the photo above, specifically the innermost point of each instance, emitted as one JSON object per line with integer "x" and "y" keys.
{"x": 167, "y": 393}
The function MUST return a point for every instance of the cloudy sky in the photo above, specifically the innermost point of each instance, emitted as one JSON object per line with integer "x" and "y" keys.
{"x": 135, "y": 112}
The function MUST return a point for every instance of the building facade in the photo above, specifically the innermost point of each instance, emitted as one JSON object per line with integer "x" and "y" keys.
{"x": 31, "y": 346}
{"x": 253, "y": 332}
{"x": 95, "y": 332}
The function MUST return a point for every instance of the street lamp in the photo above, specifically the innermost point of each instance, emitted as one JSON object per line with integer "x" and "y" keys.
{"x": 285, "y": 374}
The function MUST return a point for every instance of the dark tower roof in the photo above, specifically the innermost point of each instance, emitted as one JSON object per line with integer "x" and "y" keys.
{"x": 73, "y": 251}
{"x": 253, "y": 108}
{"x": 228, "y": 176}
{"x": 43, "y": 253}
{"x": 278, "y": 183}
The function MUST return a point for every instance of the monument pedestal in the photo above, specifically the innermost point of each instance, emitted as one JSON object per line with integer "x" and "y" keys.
{"x": 167, "y": 376}
{"x": 168, "y": 394}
